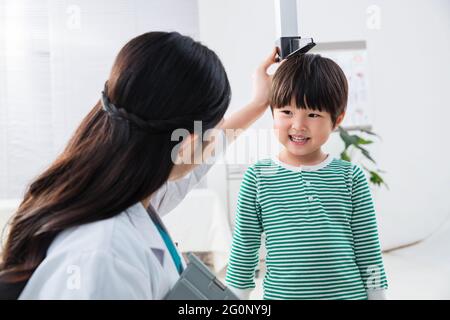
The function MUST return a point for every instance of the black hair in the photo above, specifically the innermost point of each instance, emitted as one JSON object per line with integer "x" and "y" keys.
{"x": 311, "y": 81}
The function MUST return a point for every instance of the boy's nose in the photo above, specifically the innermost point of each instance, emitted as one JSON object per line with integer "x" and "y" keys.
{"x": 298, "y": 125}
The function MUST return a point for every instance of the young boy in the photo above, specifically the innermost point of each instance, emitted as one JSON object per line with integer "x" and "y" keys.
{"x": 316, "y": 211}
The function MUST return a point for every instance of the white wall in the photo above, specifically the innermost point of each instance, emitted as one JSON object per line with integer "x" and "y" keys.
{"x": 242, "y": 33}
{"x": 409, "y": 77}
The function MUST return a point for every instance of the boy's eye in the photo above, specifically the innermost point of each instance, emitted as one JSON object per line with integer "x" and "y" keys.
{"x": 314, "y": 115}
{"x": 286, "y": 112}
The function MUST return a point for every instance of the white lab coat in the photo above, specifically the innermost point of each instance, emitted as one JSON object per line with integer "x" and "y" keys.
{"x": 123, "y": 257}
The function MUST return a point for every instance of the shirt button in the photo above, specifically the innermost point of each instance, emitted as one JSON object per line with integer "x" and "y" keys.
{"x": 308, "y": 183}
{"x": 311, "y": 198}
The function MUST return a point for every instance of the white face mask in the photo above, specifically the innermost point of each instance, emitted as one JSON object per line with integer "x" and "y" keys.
{"x": 196, "y": 149}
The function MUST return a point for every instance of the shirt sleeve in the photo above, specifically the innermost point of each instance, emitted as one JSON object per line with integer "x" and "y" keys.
{"x": 365, "y": 236}
{"x": 244, "y": 255}
{"x": 171, "y": 193}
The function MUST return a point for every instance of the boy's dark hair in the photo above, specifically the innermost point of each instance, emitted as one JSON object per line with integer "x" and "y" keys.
{"x": 313, "y": 81}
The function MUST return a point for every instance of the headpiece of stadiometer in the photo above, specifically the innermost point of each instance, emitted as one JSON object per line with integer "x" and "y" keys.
{"x": 289, "y": 42}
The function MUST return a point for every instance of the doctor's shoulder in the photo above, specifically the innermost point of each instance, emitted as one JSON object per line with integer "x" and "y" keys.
{"x": 109, "y": 235}
{"x": 105, "y": 259}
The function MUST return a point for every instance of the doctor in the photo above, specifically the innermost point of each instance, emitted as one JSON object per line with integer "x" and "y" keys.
{"x": 89, "y": 226}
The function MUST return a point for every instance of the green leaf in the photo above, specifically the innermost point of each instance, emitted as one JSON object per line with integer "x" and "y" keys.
{"x": 348, "y": 141}
{"x": 370, "y": 132}
{"x": 363, "y": 141}
{"x": 357, "y": 142}
{"x": 376, "y": 179}
{"x": 352, "y": 139}
{"x": 366, "y": 153}
{"x": 345, "y": 156}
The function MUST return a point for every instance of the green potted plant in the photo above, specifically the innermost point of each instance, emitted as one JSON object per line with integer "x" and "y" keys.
{"x": 355, "y": 143}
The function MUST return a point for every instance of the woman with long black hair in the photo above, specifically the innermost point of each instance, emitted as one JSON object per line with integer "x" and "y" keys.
{"x": 89, "y": 226}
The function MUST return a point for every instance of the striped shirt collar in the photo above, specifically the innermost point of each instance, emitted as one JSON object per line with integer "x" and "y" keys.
{"x": 315, "y": 167}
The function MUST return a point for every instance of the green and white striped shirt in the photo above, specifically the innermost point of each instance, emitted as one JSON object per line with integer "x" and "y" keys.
{"x": 320, "y": 230}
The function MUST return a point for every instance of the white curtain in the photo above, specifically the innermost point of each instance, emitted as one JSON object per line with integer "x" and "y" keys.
{"x": 55, "y": 56}
{"x": 25, "y": 94}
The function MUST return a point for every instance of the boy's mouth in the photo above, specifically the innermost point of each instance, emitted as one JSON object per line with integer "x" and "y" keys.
{"x": 298, "y": 139}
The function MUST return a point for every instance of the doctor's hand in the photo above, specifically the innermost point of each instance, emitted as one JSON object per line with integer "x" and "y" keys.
{"x": 262, "y": 81}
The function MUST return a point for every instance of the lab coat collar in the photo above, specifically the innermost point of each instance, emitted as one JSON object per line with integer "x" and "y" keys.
{"x": 141, "y": 220}
{"x": 144, "y": 225}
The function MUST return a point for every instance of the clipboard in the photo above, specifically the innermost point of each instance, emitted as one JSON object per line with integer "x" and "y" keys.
{"x": 197, "y": 282}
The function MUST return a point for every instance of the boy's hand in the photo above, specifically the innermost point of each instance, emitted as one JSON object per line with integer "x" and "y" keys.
{"x": 262, "y": 82}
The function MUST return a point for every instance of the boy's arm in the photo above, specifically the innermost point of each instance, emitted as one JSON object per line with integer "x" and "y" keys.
{"x": 365, "y": 237}
{"x": 244, "y": 255}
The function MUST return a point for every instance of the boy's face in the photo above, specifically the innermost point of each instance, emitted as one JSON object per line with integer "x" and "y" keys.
{"x": 303, "y": 131}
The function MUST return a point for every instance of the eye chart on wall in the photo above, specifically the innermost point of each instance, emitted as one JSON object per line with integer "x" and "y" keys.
{"x": 352, "y": 58}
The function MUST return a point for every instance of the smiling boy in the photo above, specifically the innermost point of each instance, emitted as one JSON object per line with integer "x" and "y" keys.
{"x": 316, "y": 211}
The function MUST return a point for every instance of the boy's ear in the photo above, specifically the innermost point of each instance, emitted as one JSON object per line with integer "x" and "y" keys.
{"x": 339, "y": 120}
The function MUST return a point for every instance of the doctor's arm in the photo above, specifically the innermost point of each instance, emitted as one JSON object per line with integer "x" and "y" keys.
{"x": 173, "y": 192}
{"x": 239, "y": 121}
